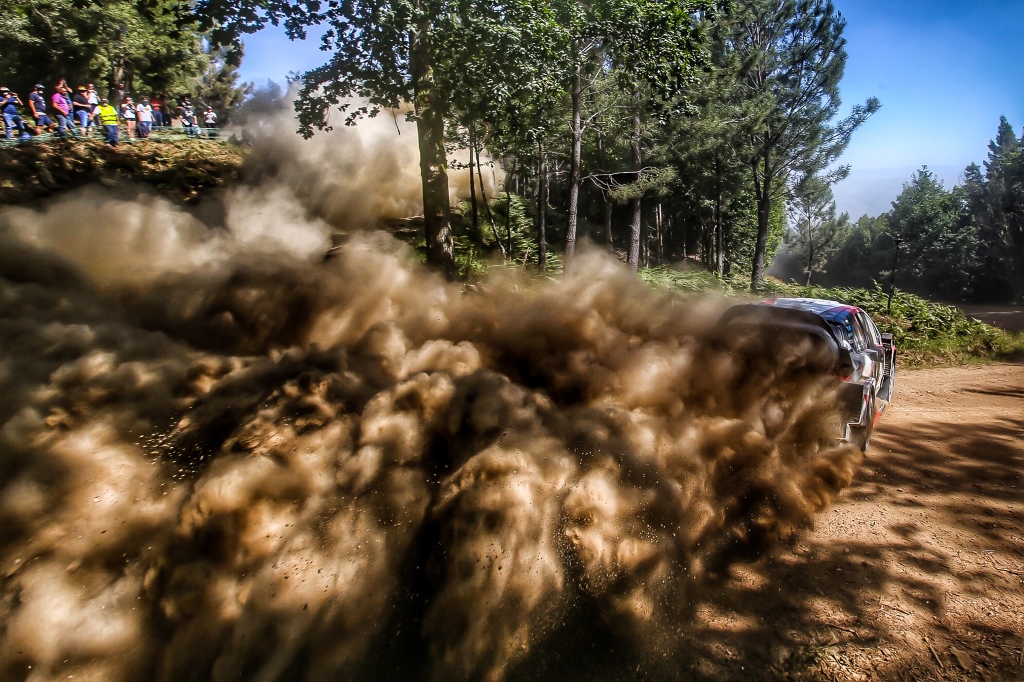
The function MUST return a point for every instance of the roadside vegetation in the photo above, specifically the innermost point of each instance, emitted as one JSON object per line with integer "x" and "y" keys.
{"x": 926, "y": 333}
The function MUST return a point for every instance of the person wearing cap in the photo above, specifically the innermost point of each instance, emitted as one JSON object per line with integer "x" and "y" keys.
{"x": 188, "y": 117}
{"x": 93, "y": 98}
{"x": 210, "y": 119}
{"x": 128, "y": 114}
{"x": 81, "y": 107}
{"x": 9, "y": 108}
{"x": 107, "y": 116}
{"x": 37, "y": 107}
{"x": 64, "y": 120}
{"x": 144, "y": 112}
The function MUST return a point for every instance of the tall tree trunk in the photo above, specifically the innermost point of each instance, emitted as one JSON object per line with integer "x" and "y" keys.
{"x": 437, "y": 221}
{"x": 684, "y": 236}
{"x": 472, "y": 182}
{"x": 810, "y": 252}
{"x": 659, "y": 234}
{"x": 719, "y": 235}
{"x": 606, "y": 206}
{"x": 487, "y": 207}
{"x": 508, "y": 210}
{"x": 574, "y": 166}
{"x": 542, "y": 210}
{"x": 636, "y": 224}
{"x": 763, "y": 191}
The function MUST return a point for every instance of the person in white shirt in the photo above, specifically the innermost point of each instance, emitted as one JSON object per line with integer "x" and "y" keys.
{"x": 144, "y": 114}
{"x": 128, "y": 114}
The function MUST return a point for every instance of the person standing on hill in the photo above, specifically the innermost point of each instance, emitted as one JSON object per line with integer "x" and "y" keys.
{"x": 107, "y": 116}
{"x": 81, "y": 107}
{"x": 210, "y": 119}
{"x": 128, "y": 114}
{"x": 157, "y": 102}
{"x": 188, "y": 117}
{"x": 9, "y": 108}
{"x": 64, "y": 122}
{"x": 144, "y": 112}
{"x": 93, "y": 98}
{"x": 37, "y": 107}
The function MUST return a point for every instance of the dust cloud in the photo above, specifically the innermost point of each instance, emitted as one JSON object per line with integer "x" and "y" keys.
{"x": 354, "y": 176}
{"x": 224, "y": 457}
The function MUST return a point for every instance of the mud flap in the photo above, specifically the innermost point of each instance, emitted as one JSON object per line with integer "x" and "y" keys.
{"x": 885, "y": 390}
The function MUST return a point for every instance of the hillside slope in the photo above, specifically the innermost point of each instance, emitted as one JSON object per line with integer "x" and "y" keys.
{"x": 182, "y": 169}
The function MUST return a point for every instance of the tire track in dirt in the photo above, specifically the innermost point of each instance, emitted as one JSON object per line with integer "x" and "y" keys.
{"x": 916, "y": 573}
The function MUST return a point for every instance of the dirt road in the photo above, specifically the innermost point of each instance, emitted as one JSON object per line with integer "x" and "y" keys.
{"x": 1010, "y": 318}
{"x": 917, "y": 572}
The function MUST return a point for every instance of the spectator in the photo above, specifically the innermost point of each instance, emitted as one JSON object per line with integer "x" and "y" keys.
{"x": 64, "y": 122}
{"x": 188, "y": 117}
{"x": 81, "y": 107}
{"x": 144, "y": 112}
{"x": 93, "y": 98}
{"x": 128, "y": 114}
{"x": 107, "y": 116}
{"x": 9, "y": 108}
{"x": 157, "y": 102}
{"x": 37, "y": 107}
{"x": 210, "y": 119}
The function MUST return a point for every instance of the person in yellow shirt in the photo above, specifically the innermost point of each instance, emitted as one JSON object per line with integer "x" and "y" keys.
{"x": 106, "y": 116}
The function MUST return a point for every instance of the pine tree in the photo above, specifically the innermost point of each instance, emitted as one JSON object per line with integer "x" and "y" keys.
{"x": 815, "y": 231}
{"x": 795, "y": 56}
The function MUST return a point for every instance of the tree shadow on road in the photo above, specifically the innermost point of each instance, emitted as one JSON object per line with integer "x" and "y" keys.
{"x": 880, "y": 583}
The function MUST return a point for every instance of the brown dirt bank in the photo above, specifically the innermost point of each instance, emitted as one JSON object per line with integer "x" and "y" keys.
{"x": 184, "y": 170}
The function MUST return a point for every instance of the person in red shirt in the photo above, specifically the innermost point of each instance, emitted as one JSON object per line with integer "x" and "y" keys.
{"x": 157, "y": 102}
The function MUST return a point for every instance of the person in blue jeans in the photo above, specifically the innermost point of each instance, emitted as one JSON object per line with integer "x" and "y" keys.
{"x": 81, "y": 108}
{"x": 62, "y": 103}
{"x": 37, "y": 106}
{"x": 9, "y": 107}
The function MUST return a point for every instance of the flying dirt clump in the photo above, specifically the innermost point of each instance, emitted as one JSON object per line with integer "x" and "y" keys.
{"x": 234, "y": 461}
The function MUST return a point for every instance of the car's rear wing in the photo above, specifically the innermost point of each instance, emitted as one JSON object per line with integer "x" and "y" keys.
{"x": 788, "y": 318}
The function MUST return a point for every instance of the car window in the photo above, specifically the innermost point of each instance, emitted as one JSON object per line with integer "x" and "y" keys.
{"x": 860, "y": 338}
{"x": 870, "y": 331}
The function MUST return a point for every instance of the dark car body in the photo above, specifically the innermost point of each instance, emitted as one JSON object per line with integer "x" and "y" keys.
{"x": 865, "y": 360}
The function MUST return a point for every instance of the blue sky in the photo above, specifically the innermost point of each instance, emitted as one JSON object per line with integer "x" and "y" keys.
{"x": 945, "y": 71}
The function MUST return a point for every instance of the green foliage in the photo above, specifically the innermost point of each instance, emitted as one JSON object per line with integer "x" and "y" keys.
{"x": 815, "y": 231}
{"x": 794, "y": 57}
{"x": 218, "y": 86}
{"x": 648, "y": 180}
{"x": 476, "y": 252}
{"x": 966, "y": 243}
{"x": 692, "y": 281}
{"x": 139, "y": 43}
{"x": 938, "y": 238}
{"x": 997, "y": 203}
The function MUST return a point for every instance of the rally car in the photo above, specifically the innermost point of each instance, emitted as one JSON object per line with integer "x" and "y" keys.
{"x": 864, "y": 359}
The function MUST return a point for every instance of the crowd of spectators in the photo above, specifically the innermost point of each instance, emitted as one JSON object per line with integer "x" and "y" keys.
{"x": 78, "y": 112}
